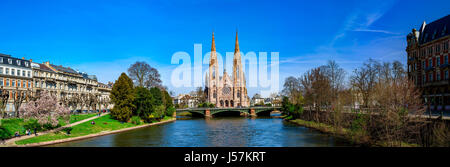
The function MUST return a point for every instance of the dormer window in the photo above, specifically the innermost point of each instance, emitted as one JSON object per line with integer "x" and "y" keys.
{"x": 18, "y": 62}
{"x": 444, "y": 30}
{"x": 1, "y": 59}
{"x": 10, "y": 61}
{"x": 26, "y": 64}
{"x": 434, "y": 35}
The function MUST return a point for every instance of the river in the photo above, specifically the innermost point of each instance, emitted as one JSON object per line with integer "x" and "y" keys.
{"x": 216, "y": 132}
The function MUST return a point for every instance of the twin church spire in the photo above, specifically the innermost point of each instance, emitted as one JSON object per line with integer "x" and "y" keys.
{"x": 236, "y": 47}
{"x": 226, "y": 91}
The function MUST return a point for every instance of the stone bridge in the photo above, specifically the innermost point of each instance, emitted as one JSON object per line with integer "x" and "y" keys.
{"x": 252, "y": 111}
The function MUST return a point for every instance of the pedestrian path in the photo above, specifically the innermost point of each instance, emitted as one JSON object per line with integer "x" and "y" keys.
{"x": 12, "y": 141}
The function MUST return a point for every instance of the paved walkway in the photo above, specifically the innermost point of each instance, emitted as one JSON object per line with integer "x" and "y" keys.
{"x": 11, "y": 142}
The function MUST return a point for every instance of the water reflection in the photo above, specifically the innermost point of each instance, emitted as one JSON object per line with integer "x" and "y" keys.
{"x": 220, "y": 131}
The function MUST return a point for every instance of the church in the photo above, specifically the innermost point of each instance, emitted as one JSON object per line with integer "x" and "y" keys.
{"x": 226, "y": 91}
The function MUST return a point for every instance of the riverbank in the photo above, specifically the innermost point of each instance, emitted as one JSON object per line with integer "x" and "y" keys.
{"x": 104, "y": 125}
{"x": 356, "y": 138}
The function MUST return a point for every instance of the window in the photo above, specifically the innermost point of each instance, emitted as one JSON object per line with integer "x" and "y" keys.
{"x": 29, "y": 84}
{"x": 430, "y": 62}
{"x": 7, "y": 71}
{"x": 26, "y": 64}
{"x": 10, "y": 61}
{"x": 438, "y": 76}
{"x": 1, "y": 59}
{"x": 446, "y": 74}
{"x": 13, "y": 72}
{"x": 1, "y": 70}
{"x": 18, "y": 72}
{"x": 445, "y": 59}
{"x": 23, "y": 73}
{"x": 423, "y": 65}
{"x": 430, "y": 77}
{"x": 7, "y": 82}
{"x": 438, "y": 61}
{"x": 29, "y": 74}
{"x": 19, "y": 83}
{"x": 18, "y": 62}
{"x": 1, "y": 81}
{"x": 13, "y": 83}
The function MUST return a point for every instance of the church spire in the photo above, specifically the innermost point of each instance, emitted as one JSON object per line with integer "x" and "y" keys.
{"x": 236, "y": 48}
{"x": 213, "y": 45}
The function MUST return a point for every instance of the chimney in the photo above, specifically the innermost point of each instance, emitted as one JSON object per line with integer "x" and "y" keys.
{"x": 31, "y": 60}
{"x": 23, "y": 58}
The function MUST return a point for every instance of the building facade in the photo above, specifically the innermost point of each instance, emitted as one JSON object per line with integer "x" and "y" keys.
{"x": 428, "y": 62}
{"x": 225, "y": 90}
{"x": 76, "y": 90}
{"x": 15, "y": 79}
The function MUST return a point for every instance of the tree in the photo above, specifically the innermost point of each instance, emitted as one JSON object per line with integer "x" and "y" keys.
{"x": 157, "y": 95}
{"x": 46, "y": 110}
{"x": 316, "y": 88}
{"x": 199, "y": 96}
{"x": 144, "y": 75}
{"x": 167, "y": 99}
{"x": 4, "y": 97}
{"x": 336, "y": 77}
{"x": 19, "y": 96}
{"x": 144, "y": 103}
{"x": 364, "y": 80}
{"x": 122, "y": 95}
{"x": 291, "y": 88}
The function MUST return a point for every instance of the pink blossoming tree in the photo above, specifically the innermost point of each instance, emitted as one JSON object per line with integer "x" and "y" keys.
{"x": 46, "y": 110}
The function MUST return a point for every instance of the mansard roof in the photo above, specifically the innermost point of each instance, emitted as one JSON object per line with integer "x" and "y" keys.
{"x": 14, "y": 61}
{"x": 64, "y": 69}
{"x": 43, "y": 67}
{"x": 434, "y": 30}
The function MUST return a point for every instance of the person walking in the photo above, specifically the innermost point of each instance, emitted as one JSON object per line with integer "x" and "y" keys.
{"x": 35, "y": 131}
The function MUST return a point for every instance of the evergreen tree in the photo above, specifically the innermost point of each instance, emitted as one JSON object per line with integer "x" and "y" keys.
{"x": 122, "y": 95}
{"x": 144, "y": 103}
{"x": 157, "y": 95}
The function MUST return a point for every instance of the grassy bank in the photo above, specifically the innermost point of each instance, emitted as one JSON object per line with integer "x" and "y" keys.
{"x": 104, "y": 123}
{"x": 355, "y": 137}
{"x": 17, "y": 124}
{"x": 184, "y": 114}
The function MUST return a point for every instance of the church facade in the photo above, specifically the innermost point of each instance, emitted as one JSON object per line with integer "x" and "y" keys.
{"x": 226, "y": 91}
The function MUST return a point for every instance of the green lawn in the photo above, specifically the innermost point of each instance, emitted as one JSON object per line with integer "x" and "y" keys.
{"x": 16, "y": 124}
{"x": 104, "y": 123}
{"x": 76, "y": 118}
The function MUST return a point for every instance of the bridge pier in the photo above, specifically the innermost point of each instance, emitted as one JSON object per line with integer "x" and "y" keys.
{"x": 252, "y": 112}
{"x": 207, "y": 113}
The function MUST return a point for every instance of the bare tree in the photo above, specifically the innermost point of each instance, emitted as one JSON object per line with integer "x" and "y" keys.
{"x": 292, "y": 89}
{"x": 4, "y": 97}
{"x": 336, "y": 76}
{"x": 144, "y": 75}
{"x": 19, "y": 96}
{"x": 364, "y": 80}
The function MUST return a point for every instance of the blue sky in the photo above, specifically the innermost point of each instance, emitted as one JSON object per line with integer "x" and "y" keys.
{"x": 105, "y": 37}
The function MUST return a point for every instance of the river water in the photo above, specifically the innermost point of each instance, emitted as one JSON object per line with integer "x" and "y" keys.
{"x": 216, "y": 132}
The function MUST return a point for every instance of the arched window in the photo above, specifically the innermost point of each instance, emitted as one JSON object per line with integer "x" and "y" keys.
{"x": 221, "y": 103}
{"x": 238, "y": 94}
{"x": 237, "y": 71}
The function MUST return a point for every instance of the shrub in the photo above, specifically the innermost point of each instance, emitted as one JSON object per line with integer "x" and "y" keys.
{"x": 136, "y": 120}
{"x": 5, "y": 133}
{"x": 170, "y": 111}
{"x": 158, "y": 112}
